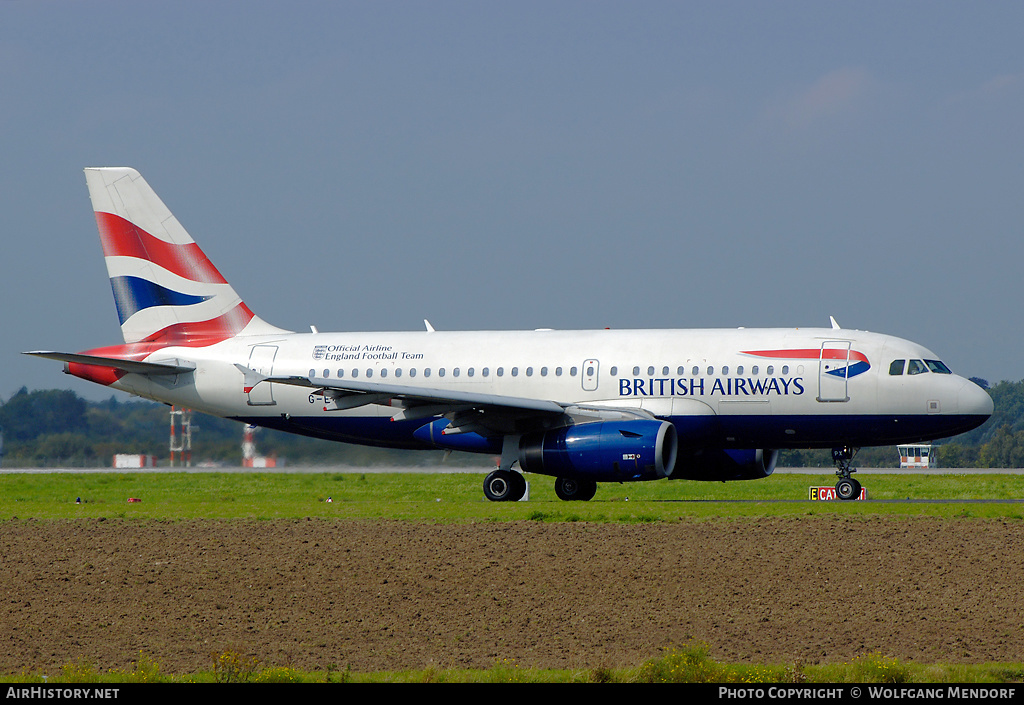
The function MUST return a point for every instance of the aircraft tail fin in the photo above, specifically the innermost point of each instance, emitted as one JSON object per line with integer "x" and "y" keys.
{"x": 165, "y": 287}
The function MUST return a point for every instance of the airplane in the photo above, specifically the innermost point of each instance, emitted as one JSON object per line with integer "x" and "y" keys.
{"x": 584, "y": 406}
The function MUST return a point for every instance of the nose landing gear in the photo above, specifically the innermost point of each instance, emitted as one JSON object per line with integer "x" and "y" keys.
{"x": 846, "y": 487}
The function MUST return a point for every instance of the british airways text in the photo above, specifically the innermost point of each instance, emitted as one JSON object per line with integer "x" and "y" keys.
{"x": 699, "y": 386}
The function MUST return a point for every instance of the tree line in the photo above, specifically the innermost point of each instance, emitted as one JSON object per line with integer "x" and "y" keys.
{"x": 55, "y": 427}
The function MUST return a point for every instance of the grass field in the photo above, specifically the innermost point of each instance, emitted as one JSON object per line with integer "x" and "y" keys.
{"x": 458, "y": 497}
{"x": 691, "y": 664}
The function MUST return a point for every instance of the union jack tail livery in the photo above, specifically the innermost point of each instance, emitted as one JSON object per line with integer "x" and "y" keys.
{"x": 165, "y": 288}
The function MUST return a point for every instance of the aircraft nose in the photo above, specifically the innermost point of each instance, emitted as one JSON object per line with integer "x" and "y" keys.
{"x": 972, "y": 400}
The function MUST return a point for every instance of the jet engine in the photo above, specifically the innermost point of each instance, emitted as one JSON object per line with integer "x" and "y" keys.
{"x": 602, "y": 451}
{"x": 720, "y": 465}
{"x": 433, "y": 434}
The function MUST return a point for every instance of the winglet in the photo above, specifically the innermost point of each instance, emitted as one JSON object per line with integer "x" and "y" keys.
{"x": 835, "y": 326}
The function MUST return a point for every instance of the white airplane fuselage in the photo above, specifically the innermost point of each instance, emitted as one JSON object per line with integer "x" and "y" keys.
{"x": 737, "y": 388}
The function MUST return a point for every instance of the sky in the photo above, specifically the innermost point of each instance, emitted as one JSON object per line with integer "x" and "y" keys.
{"x": 516, "y": 165}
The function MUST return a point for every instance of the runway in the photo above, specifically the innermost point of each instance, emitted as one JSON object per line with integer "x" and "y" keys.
{"x": 376, "y": 469}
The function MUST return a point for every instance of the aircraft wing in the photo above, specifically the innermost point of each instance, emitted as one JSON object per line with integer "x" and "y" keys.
{"x": 159, "y": 367}
{"x": 485, "y": 414}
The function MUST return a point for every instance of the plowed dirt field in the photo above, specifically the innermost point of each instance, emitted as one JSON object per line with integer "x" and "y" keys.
{"x": 384, "y": 595}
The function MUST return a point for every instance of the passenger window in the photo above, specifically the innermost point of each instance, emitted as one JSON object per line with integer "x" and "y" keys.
{"x": 770, "y": 370}
{"x": 543, "y": 371}
{"x": 500, "y": 371}
{"x": 384, "y": 373}
{"x": 896, "y": 367}
{"x": 725, "y": 370}
{"x": 636, "y": 371}
{"x": 753, "y": 370}
{"x": 785, "y": 369}
{"x": 916, "y": 367}
{"x": 572, "y": 371}
{"x": 515, "y": 371}
{"x": 664, "y": 371}
{"x": 696, "y": 371}
{"x": 650, "y": 371}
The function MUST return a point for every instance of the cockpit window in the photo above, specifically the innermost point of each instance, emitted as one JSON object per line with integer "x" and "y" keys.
{"x": 916, "y": 367}
{"x": 896, "y": 368}
{"x": 937, "y": 367}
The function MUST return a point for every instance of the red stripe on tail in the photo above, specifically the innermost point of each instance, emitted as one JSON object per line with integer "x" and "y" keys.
{"x": 122, "y": 238}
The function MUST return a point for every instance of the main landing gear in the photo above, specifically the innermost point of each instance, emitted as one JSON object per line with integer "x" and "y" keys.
{"x": 507, "y": 485}
{"x": 847, "y": 487}
{"x": 504, "y": 486}
{"x": 510, "y": 486}
{"x": 571, "y": 490}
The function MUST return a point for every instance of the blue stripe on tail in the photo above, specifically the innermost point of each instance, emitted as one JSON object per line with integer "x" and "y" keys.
{"x": 132, "y": 294}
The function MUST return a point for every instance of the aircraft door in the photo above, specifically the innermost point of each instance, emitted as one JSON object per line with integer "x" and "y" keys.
{"x": 833, "y": 370}
{"x": 261, "y": 359}
{"x": 589, "y": 375}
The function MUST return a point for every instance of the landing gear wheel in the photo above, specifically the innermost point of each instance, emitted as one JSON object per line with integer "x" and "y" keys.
{"x": 571, "y": 490}
{"x": 847, "y": 488}
{"x": 504, "y": 486}
{"x": 518, "y": 486}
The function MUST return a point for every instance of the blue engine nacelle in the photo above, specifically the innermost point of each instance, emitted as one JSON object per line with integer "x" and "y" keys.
{"x": 603, "y": 451}
{"x": 433, "y": 434}
{"x": 720, "y": 465}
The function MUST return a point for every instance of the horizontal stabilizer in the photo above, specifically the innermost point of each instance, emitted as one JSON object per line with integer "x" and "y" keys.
{"x": 161, "y": 367}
